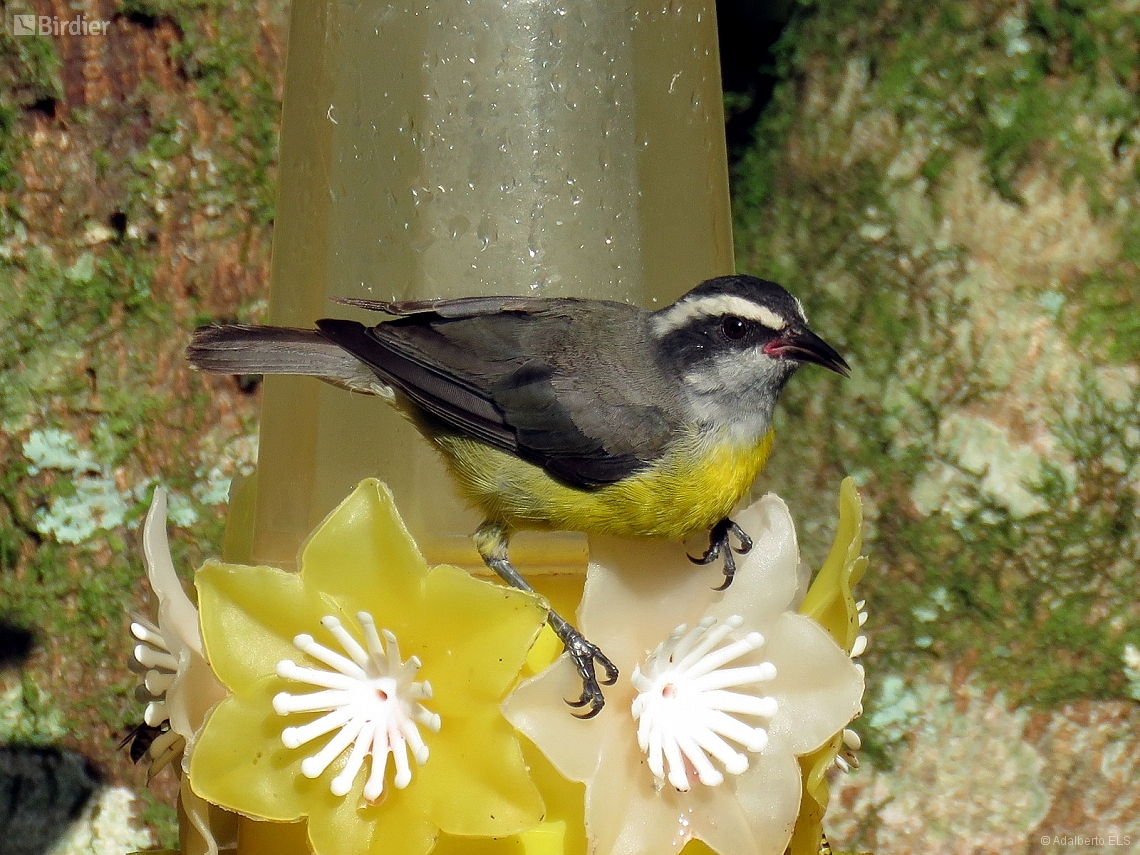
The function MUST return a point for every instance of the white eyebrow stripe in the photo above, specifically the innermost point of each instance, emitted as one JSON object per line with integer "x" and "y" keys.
{"x": 691, "y": 308}
{"x": 800, "y": 306}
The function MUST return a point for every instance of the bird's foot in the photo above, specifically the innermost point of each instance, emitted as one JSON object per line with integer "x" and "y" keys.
{"x": 719, "y": 544}
{"x": 587, "y": 657}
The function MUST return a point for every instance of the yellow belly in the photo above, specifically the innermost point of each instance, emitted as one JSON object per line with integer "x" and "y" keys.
{"x": 688, "y": 491}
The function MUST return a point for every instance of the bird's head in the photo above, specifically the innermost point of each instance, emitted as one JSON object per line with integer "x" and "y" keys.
{"x": 732, "y": 342}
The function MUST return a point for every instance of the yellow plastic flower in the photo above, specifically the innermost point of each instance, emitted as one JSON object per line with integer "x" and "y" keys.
{"x": 366, "y": 691}
{"x": 720, "y": 693}
{"x": 831, "y": 602}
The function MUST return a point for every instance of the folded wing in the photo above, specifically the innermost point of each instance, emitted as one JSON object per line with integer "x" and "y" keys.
{"x": 514, "y": 372}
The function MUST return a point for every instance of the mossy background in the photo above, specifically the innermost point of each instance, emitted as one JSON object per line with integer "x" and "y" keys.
{"x": 136, "y": 200}
{"x": 951, "y": 187}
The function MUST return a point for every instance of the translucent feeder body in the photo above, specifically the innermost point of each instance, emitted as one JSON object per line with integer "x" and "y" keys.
{"x": 447, "y": 149}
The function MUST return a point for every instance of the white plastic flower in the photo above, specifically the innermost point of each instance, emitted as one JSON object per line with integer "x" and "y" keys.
{"x": 847, "y": 758}
{"x": 720, "y": 693}
{"x": 177, "y": 684}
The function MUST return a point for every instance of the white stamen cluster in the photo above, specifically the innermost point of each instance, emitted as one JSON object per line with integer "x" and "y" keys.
{"x": 684, "y": 710}
{"x": 369, "y": 698}
{"x": 847, "y": 759}
{"x": 158, "y": 664}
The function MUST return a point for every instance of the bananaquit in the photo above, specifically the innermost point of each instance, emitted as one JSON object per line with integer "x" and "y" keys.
{"x": 581, "y": 415}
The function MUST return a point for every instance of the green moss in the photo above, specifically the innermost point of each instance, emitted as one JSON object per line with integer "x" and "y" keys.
{"x": 69, "y": 526}
{"x": 54, "y": 312}
{"x": 1106, "y": 320}
{"x": 27, "y": 713}
{"x": 86, "y": 335}
{"x": 843, "y": 200}
{"x": 29, "y": 76}
{"x": 162, "y": 817}
{"x": 230, "y": 79}
{"x": 976, "y": 75}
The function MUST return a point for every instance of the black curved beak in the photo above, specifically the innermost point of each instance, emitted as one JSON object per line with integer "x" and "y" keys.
{"x": 803, "y": 345}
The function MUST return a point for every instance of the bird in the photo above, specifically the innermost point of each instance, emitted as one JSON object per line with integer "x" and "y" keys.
{"x": 569, "y": 413}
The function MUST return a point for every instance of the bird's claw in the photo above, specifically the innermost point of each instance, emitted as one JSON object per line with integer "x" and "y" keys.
{"x": 491, "y": 542}
{"x": 719, "y": 544}
{"x": 585, "y": 655}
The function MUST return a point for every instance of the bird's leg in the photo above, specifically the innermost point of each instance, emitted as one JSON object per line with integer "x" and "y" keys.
{"x": 719, "y": 543}
{"x": 491, "y": 541}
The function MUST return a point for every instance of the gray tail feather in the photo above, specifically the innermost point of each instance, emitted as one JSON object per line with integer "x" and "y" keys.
{"x": 242, "y": 349}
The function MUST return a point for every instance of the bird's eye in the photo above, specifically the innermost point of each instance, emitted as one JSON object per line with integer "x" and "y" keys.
{"x": 734, "y": 328}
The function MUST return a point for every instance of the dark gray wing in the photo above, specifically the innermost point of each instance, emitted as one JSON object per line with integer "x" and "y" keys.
{"x": 518, "y": 379}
